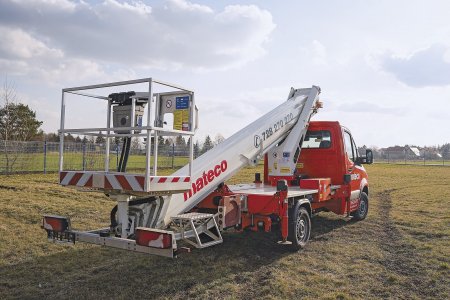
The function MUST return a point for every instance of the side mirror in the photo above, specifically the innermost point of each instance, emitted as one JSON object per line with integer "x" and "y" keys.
{"x": 369, "y": 157}
{"x": 365, "y": 159}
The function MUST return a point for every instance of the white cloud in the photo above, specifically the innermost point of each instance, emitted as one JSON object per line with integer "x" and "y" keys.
{"x": 179, "y": 34}
{"x": 43, "y": 5}
{"x": 138, "y": 8}
{"x": 22, "y": 54}
{"x": 426, "y": 67}
{"x": 17, "y": 44}
{"x": 226, "y": 115}
{"x": 371, "y": 108}
{"x": 182, "y": 5}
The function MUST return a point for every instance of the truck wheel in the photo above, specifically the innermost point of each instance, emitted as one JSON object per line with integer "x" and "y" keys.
{"x": 363, "y": 208}
{"x": 299, "y": 227}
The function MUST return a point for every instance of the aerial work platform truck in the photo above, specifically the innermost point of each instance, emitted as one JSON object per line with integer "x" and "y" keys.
{"x": 309, "y": 167}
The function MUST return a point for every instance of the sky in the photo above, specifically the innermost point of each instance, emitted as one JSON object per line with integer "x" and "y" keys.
{"x": 383, "y": 66}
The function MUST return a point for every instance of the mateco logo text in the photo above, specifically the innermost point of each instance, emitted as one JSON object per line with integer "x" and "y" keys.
{"x": 205, "y": 179}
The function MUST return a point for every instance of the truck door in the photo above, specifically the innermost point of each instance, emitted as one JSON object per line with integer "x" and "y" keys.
{"x": 354, "y": 170}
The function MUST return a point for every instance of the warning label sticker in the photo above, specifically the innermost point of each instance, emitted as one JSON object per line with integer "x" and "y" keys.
{"x": 181, "y": 119}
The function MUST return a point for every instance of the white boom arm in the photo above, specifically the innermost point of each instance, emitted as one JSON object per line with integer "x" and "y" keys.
{"x": 288, "y": 121}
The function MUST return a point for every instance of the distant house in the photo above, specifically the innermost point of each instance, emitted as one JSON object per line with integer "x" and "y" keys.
{"x": 415, "y": 150}
{"x": 430, "y": 153}
{"x": 401, "y": 152}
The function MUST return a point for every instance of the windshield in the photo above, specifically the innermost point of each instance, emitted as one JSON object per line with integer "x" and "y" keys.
{"x": 320, "y": 139}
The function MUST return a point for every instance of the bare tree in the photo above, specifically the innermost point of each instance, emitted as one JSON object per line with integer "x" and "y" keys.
{"x": 136, "y": 145}
{"x": 18, "y": 123}
{"x": 218, "y": 139}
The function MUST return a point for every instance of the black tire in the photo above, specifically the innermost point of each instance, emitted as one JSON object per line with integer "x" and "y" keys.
{"x": 363, "y": 208}
{"x": 299, "y": 227}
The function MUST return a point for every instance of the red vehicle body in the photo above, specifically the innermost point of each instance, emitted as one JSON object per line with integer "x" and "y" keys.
{"x": 329, "y": 177}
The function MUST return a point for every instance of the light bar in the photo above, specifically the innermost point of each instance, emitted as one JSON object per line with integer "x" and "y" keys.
{"x": 155, "y": 238}
{"x": 56, "y": 223}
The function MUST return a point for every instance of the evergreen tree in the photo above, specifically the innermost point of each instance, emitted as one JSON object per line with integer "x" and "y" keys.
{"x": 168, "y": 142}
{"x": 180, "y": 142}
{"x": 207, "y": 144}
{"x": 161, "y": 140}
{"x": 69, "y": 138}
{"x": 445, "y": 151}
{"x": 51, "y": 137}
{"x": 100, "y": 139}
{"x": 196, "y": 149}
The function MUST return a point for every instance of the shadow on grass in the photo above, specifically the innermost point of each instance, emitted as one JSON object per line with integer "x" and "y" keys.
{"x": 97, "y": 272}
{"x": 323, "y": 224}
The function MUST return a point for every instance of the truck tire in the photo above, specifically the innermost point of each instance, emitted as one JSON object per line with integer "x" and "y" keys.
{"x": 299, "y": 229}
{"x": 363, "y": 208}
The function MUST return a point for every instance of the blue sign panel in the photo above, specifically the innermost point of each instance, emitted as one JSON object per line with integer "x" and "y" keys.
{"x": 182, "y": 102}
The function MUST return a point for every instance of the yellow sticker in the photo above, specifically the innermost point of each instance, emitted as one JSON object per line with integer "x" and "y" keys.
{"x": 275, "y": 166}
{"x": 285, "y": 170}
{"x": 300, "y": 166}
{"x": 180, "y": 118}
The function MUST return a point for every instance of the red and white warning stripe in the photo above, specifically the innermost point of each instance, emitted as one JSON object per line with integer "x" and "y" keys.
{"x": 123, "y": 182}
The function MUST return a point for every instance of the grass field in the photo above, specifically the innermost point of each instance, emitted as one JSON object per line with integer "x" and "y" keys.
{"x": 402, "y": 250}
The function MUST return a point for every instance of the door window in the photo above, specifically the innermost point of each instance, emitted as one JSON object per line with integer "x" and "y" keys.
{"x": 319, "y": 139}
{"x": 355, "y": 149}
{"x": 348, "y": 145}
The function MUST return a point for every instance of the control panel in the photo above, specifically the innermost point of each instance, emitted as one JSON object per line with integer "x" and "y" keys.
{"x": 179, "y": 104}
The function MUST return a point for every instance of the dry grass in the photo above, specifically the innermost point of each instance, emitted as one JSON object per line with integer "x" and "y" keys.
{"x": 400, "y": 251}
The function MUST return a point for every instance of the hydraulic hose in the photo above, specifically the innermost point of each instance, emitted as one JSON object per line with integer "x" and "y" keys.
{"x": 124, "y": 154}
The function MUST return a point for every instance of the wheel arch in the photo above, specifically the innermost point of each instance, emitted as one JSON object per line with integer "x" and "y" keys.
{"x": 303, "y": 202}
{"x": 365, "y": 189}
{"x": 364, "y": 186}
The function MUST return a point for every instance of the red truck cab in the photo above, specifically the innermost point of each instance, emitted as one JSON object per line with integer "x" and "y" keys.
{"x": 329, "y": 151}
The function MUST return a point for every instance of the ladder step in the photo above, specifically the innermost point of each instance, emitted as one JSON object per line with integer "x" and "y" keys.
{"x": 195, "y": 227}
{"x": 192, "y": 216}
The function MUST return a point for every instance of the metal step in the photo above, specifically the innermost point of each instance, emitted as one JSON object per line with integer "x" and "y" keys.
{"x": 193, "y": 227}
{"x": 192, "y": 216}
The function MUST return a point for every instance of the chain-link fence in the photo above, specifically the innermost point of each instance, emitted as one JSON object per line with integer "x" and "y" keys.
{"x": 406, "y": 157}
{"x": 43, "y": 157}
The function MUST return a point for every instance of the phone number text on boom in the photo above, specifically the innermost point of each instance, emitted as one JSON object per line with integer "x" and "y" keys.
{"x": 277, "y": 126}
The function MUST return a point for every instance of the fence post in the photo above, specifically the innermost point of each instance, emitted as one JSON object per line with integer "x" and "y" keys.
{"x": 173, "y": 155}
{"x": 117, "y": 154}
{"x": 84, "y": 156}
{"x": 45, "y": 157}
{"x": 405, "y": 155}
